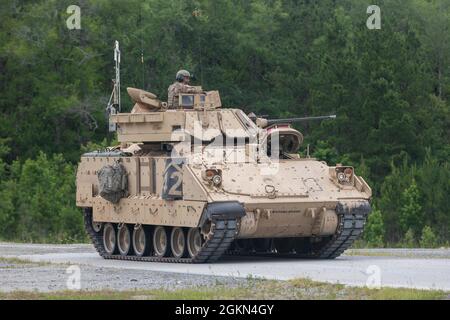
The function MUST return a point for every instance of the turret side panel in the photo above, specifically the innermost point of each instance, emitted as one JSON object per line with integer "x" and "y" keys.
{"x": 148, "y": 127}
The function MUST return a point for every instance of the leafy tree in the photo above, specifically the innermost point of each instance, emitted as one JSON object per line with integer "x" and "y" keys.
{"x": 428, "y": 238}
{"x": 38, "y": 202}
{"x": 389, "y": 200}
{"x": 324, "y": 151}
{"x": 411, "y": 214}
{"x": 4, "y": 151}
{"x": 409, "y": 240}
{"x": 374, "y": 229}
{"x": 433, "y": 179}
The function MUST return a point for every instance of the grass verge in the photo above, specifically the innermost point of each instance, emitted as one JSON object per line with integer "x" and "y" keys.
{"x": 253, "y": 289}
{"x": 11, "y": 262}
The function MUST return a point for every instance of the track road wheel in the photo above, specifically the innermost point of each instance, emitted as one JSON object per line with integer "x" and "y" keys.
{"x": 141, "y": 240}
{"x": 178, "y": 242}
{"x": 124, "y": 240}
{"x": 194, "y": 242}
{"x": 109, "y": 239}
{"x": 160, "y": 242}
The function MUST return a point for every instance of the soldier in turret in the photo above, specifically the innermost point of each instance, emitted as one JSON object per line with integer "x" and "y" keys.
{"x": 181, "y": 85}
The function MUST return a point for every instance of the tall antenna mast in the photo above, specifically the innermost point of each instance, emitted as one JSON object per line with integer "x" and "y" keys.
{"x": 117, "y": 82}
{"x": 114, "y": 100}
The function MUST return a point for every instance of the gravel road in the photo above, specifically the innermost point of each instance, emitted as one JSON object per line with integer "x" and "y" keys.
{"x": 46, "y": 270}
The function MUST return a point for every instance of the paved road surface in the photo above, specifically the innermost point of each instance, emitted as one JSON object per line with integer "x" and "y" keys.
{"x": 413, "y": 268}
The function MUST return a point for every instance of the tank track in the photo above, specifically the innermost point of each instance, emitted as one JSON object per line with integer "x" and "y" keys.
{"x": 222, "y": 233}
{"x": 352, "y": 218}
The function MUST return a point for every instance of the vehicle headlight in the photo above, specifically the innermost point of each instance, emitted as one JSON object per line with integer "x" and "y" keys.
{"x": 344, "y": 175}
{"x": 341, "y": 177}
{"x": 217, "y": 180}
{"x": 213, "y": 176}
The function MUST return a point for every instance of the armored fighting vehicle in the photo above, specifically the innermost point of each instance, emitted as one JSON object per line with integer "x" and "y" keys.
{"x": 201, "y": 181}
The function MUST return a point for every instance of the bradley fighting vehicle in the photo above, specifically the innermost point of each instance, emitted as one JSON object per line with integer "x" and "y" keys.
{"x": 201, "y": 181}
{"x": 198, "y": 182}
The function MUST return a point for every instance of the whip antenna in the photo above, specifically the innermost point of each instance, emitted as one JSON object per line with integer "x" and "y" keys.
{"x": 114, "y": 101}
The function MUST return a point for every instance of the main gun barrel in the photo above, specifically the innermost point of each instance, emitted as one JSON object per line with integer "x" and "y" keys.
{"x": 291, "y": 120}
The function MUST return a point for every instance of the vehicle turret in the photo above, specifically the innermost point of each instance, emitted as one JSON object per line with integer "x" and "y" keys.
{"x": 151, "y": 121}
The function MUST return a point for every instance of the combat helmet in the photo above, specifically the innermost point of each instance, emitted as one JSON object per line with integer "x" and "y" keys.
{"x": 181, "y": 74}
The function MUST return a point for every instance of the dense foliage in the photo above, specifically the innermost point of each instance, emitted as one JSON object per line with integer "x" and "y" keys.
{"x": 390, "y": 89}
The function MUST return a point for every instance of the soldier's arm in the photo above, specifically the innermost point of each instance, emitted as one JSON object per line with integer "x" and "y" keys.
{"x": 190, "y": 89}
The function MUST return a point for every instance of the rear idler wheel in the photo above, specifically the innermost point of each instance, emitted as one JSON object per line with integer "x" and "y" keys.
{"x": 194, "y": 242}
{"x": 141, "y": 240}
{"x": 160, "y": 242}
{"x": 109, "y": 239}
{"x": 124, "y": 240}
{"x": 178, "y": 242}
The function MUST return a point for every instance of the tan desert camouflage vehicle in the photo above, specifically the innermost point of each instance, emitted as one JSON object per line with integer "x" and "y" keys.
{"x": 202, "y": 181}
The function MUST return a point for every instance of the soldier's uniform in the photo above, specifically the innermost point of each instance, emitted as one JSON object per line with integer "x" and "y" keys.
{"x": 174, "y": 91}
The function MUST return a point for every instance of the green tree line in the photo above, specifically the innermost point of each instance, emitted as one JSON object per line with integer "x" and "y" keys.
{"x": 390, "y": 89}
